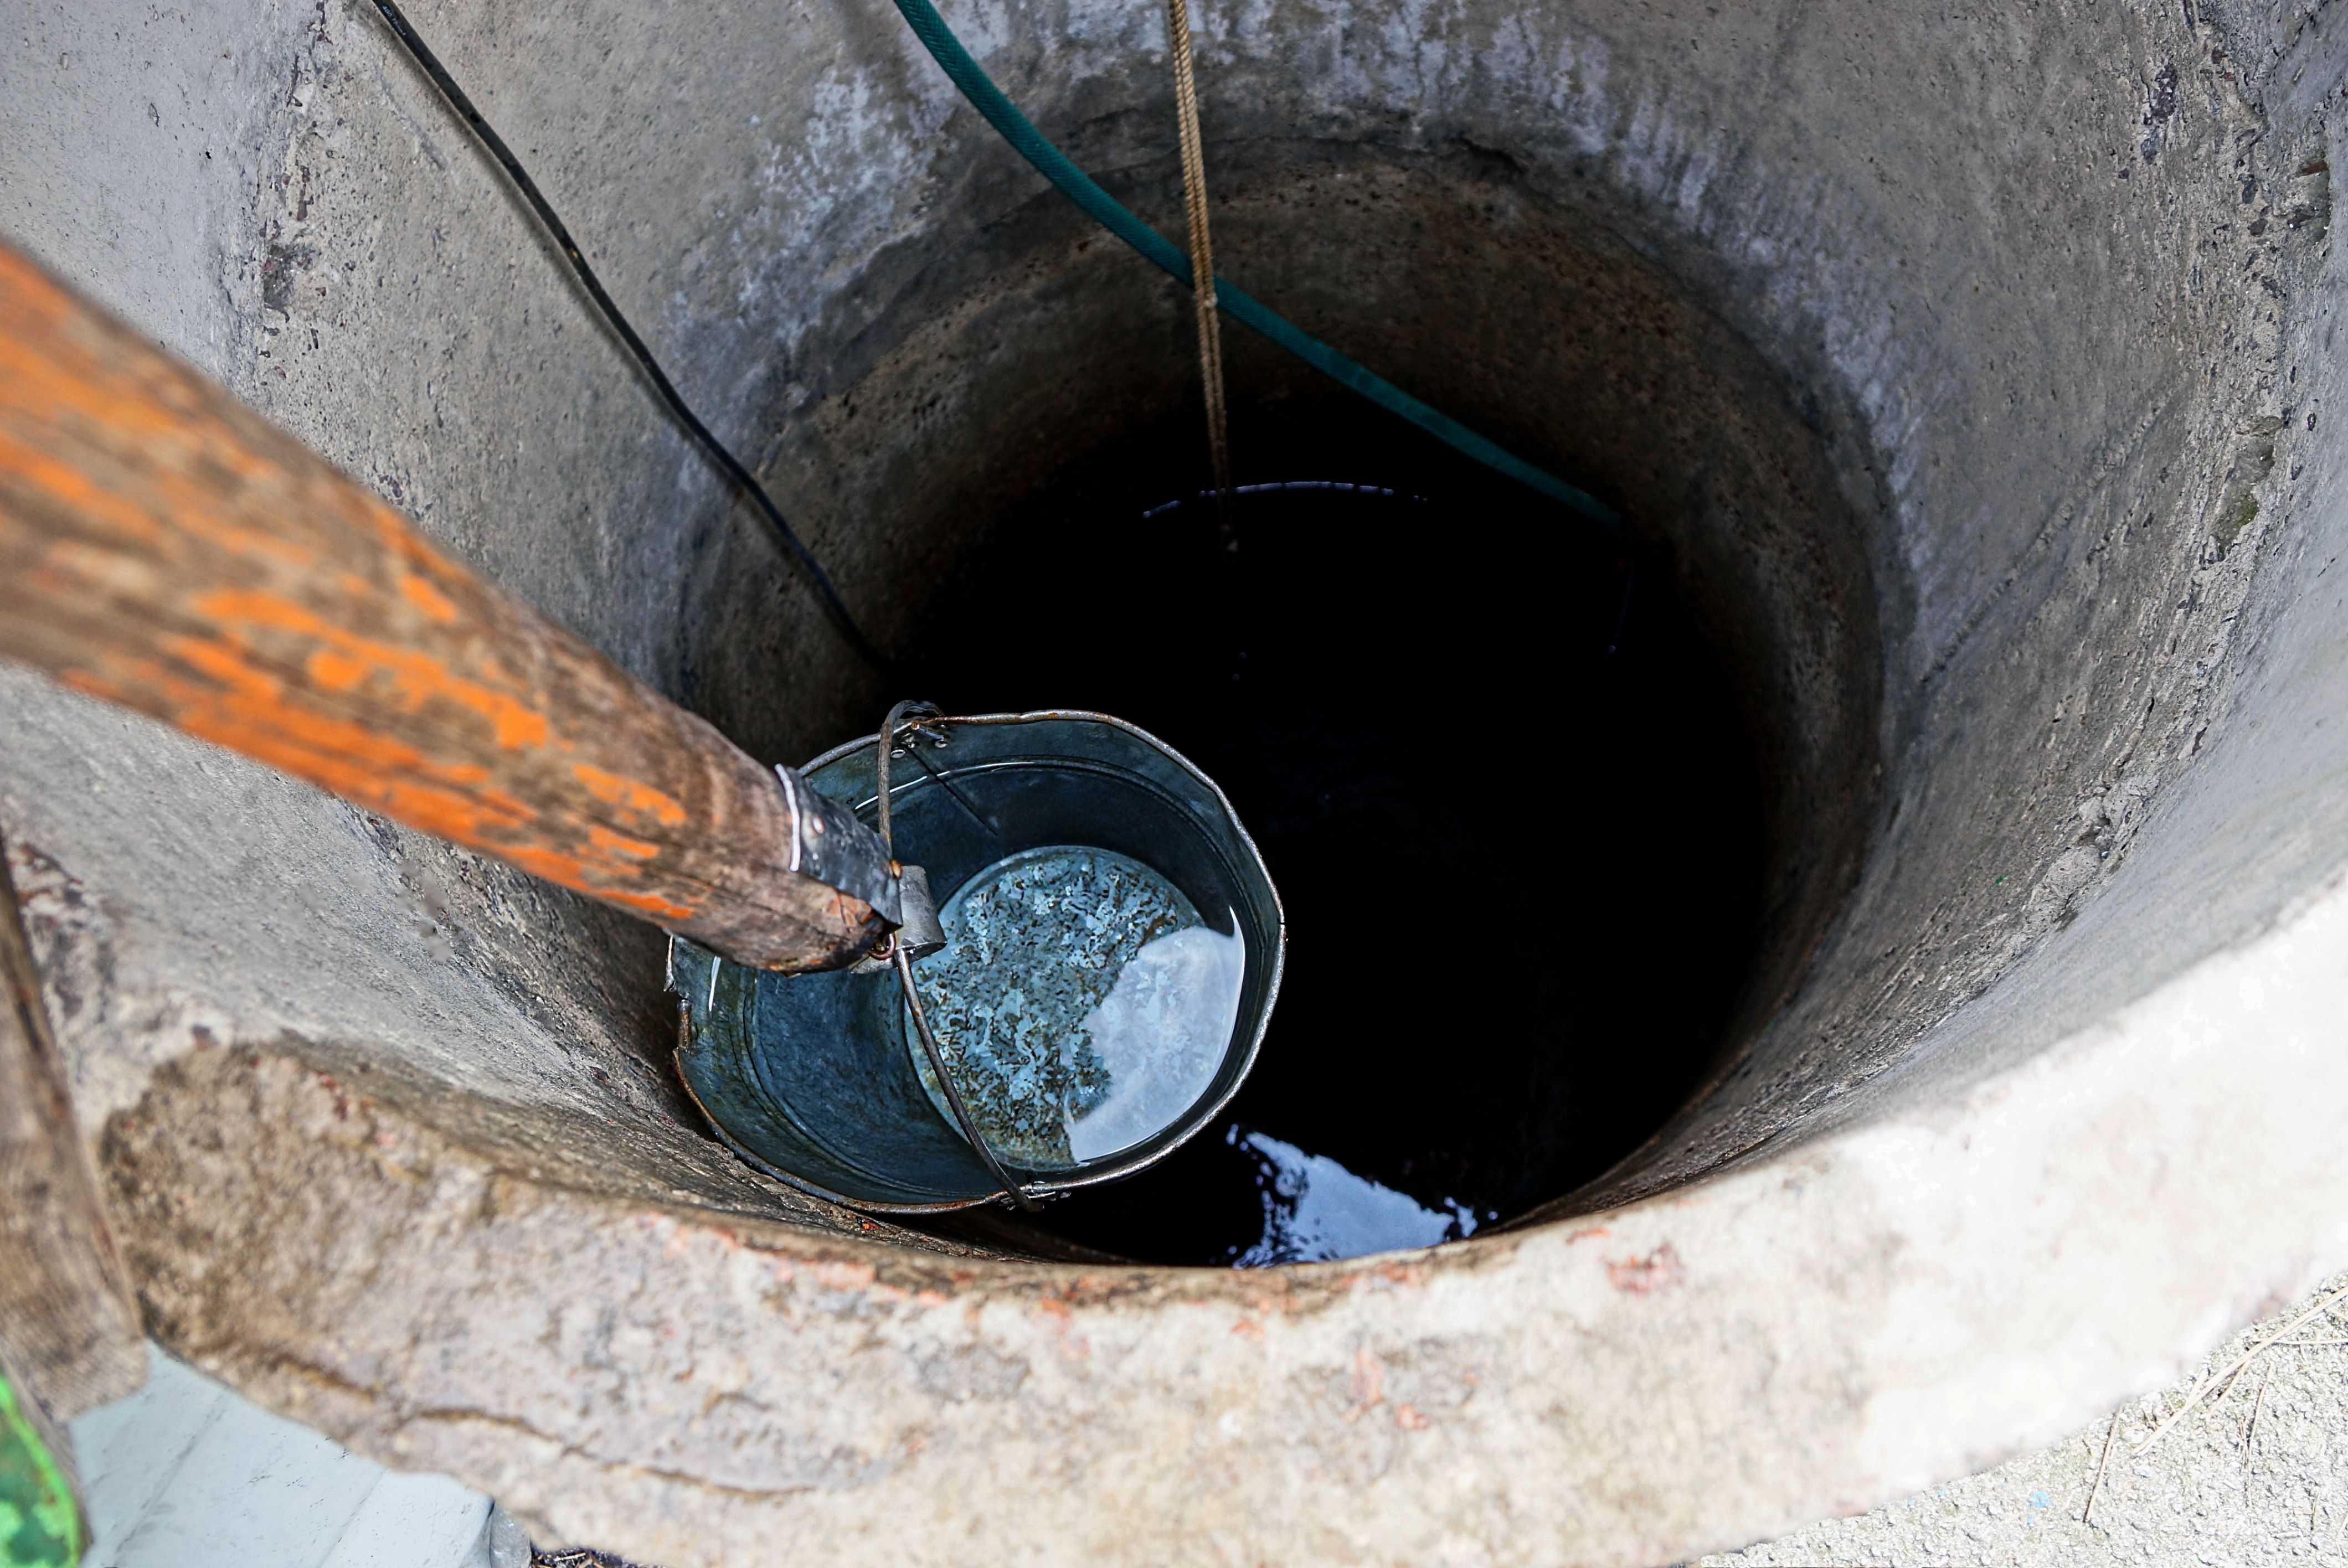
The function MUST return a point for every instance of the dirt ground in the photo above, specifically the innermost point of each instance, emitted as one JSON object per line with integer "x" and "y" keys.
{"x": 2255, "y": 1472}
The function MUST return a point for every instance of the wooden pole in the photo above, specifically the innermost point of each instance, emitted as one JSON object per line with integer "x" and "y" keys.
{"x": 163, "y": 547}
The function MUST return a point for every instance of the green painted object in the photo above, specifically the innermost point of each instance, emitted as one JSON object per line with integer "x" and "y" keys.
{"x": 40, "y": 1525}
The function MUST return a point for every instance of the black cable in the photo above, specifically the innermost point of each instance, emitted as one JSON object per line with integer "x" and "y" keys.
{"x": 728, "y": 463}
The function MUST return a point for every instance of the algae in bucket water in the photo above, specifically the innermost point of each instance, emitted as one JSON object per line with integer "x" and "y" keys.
{"x": 1081, "y": 1002}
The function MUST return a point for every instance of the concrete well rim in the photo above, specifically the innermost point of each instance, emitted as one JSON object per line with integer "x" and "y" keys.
{"x": 1718, "y": 1331}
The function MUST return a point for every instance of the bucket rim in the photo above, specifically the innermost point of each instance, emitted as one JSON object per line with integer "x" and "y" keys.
{"x": 1202, "y": 1115}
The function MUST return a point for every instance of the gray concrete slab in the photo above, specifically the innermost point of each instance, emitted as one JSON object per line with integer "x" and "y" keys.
{"x": 187, "y": 1474}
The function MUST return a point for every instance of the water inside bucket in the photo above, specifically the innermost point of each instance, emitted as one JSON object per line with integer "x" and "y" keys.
{"x": 1090, "y": 993}
{"x": 1081, "y": 1002}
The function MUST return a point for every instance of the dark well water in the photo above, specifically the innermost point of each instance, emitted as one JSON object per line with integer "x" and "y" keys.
{"x": 1521, "y": 870}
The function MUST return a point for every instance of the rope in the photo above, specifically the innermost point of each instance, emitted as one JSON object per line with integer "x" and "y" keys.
{"x": 1243, "y": 308}
{"x": 740, "y": 478}
{"x": 1202, "y": 249}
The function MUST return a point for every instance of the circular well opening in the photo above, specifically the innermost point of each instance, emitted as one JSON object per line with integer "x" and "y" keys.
{"x": 1556, "y": 815}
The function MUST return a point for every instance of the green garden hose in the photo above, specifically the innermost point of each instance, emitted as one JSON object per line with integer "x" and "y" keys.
{"x": 1242, "y": 307}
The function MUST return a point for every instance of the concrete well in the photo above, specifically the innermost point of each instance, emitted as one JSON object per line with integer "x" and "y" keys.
{"x": 1973, "y": 369}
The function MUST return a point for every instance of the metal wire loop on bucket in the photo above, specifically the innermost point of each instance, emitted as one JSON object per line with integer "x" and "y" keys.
{"x": 903, "y": 963}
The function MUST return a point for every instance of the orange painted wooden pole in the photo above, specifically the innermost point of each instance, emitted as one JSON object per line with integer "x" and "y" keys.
{"x": 163, "y": 547}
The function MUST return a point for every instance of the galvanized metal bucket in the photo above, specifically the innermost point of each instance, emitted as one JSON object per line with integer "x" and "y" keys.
{"x": 817, "y": 1079}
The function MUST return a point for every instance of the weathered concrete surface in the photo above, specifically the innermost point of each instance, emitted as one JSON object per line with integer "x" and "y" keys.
{"x": 1917, "y": 1297}
{"x": 2025, "y": 517}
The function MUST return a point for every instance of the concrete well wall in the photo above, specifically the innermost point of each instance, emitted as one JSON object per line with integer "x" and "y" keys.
{"x": 1974, "y": 370}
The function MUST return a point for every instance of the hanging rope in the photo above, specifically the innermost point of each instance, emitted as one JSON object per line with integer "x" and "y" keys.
{"x": 1202, "y": 249}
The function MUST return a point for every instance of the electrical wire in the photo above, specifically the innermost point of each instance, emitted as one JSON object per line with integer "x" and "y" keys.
{"x": 740, "y": 478}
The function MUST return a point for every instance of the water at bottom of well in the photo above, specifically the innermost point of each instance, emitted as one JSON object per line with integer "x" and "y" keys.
{"x": 1316, "y": 1210}
{"x": 1081, "y": 1002}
